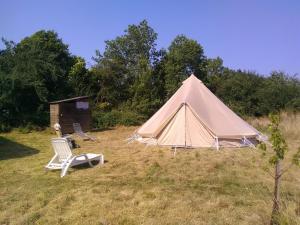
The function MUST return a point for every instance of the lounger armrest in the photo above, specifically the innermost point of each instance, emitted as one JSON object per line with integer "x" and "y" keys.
{"x": 67, "y": 136}
{"x": 84, "y": 155}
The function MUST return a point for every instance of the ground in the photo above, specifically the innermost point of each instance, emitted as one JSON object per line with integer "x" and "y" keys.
{"x": 143, "y": 185}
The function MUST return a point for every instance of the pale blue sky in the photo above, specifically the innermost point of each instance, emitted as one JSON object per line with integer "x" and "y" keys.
{"x": 257, "y": 35}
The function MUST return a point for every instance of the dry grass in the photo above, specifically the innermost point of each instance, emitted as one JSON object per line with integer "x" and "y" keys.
{"x": 139, "y": 185}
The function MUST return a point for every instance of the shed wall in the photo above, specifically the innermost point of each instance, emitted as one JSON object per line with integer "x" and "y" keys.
{"x": 54, "y": 114}
{"x": 66, "y": 113}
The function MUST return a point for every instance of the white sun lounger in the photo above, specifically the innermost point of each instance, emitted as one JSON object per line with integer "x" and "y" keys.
{"x": 80, "y": 133}
{"x": 59, "y": 134}
{"x": 63, "y": 158}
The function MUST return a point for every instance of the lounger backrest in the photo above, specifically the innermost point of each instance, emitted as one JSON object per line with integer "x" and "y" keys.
{"x": 61, "y": 148}
{"x": 77, "y": 128}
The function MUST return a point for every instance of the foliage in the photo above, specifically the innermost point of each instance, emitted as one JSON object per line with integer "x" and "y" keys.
{"x": 102, "y": 120}
{"x": 125, "y": 60}
{"x": 279, "y": 91}
{"x": 239, "y": 90}
{"x": 296, "y": 158}
{"x": 279, "y": 148}
{"x": 131, "y": 75}
{"x": 278, "y": 142}
{"x": 185, "y": 56}
{"x": 126, "y": 71}
{"x": 5, "y": 127}
{"x": 214, "y": 67}
{"x": 32, "y": 73}
{"x": 251, "y": 94}
{"x": 279, "y": 145}
{"x": 80, "y": 78}
{"x": 29, "y": 127}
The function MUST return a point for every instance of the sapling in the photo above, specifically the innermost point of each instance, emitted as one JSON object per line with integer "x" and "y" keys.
{"x": 278, "y": 148}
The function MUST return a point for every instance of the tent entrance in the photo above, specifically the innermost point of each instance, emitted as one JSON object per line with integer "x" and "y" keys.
{"x": 185, "y": 130}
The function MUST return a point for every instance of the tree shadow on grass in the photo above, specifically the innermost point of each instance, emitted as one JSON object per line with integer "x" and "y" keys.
{"x": 10, "y": 149}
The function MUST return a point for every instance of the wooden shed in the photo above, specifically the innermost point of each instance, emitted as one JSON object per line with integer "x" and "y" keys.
{"x": 69, "y": 111}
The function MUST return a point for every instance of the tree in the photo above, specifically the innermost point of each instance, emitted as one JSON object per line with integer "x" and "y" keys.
{"x": 80, "y": 78}
{"x": 149, "y": 91}
{"x": 279, "y": 148}
{"x": 279, "y": 91}
{"x": 214, "y": 67}
{"x": 239, "y": 90}
{"x": 249, "y": 93}
{"x": 6, "y": 56}
{"x": 34, "y": 72}
{"x": 126, "y": 68}
{"x": 108, "y": 86}
{"x": 43, "y": 61}
{"x": 184, "y": 57}
{"x": 6, "y": 94}
{"x": 131, "y": 75}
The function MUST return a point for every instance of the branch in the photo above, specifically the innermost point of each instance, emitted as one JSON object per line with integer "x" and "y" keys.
{"x": 270, "y": 174}
{"x": 283, "y": 171}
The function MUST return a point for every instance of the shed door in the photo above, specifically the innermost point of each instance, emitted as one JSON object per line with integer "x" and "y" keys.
{"x": 66, "y": 117}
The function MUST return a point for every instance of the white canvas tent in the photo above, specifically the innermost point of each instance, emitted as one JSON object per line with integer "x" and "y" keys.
{"x": 195, "y": 117}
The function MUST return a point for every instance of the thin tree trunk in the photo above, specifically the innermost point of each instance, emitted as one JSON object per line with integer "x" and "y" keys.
{"x": 276, "y": 199}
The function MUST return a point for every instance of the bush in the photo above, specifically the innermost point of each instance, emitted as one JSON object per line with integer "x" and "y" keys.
{"x": 102, "y": 120}
{"x": 4, "y": 127}
{"x": 29, "y": 127}
{"x": 294, "y": 105}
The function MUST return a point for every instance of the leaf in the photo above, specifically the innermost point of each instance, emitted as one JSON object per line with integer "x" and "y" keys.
{"x": 262, "y": 146}
{"x": 273, "y": 160}
{"x": 296, "y": 158}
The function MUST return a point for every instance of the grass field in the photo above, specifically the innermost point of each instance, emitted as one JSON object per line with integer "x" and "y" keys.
{"x": 143, "y": 185}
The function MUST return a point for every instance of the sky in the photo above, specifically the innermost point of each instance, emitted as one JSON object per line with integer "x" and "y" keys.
{"x": 256, "y": 35}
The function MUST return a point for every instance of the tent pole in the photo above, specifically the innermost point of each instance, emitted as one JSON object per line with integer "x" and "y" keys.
{"x": 248, "y": 143}
{"x": 218, "y": 146}
{"x": 184, "y": 125}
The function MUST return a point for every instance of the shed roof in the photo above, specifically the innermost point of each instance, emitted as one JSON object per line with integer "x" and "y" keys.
{"x": 70, "y": 99}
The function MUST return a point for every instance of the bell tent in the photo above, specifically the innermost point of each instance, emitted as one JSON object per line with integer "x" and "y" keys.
{"x": 194, "y": 117}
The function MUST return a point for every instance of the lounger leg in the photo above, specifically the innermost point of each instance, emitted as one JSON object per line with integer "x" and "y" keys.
{"x": 64, "y": 171}
{"x": 65, "y": 168}
{"x": 47, "y": 167}
{"x": 101, "y": 160}
{"x": 90, "y": 163}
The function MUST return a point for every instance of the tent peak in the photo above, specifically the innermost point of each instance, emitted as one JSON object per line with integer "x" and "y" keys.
{"x": 191, "y": 78}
